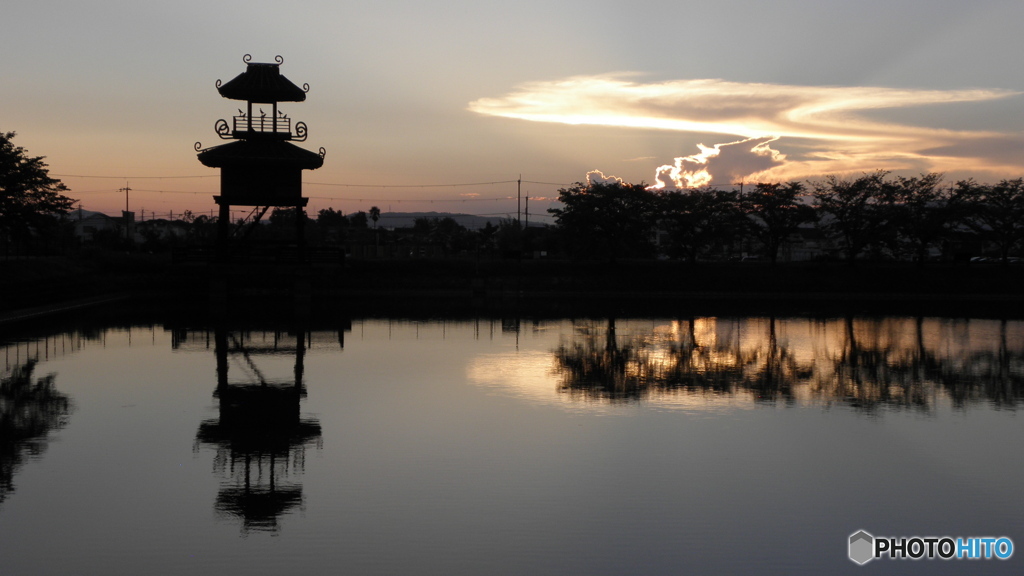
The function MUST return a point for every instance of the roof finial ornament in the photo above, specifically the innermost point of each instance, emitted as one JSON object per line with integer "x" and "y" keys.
{"x": 247, "y": 58}
{"x": 279, "y": 59}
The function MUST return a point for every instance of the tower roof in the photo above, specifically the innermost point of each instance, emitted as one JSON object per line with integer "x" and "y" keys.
{"x": 276, "y": 153}
{"x": 262, "y": 82}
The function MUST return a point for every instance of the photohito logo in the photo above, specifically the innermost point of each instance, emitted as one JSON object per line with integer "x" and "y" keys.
{"x": 862, "y": 547}
{"x": 865, "y": 547}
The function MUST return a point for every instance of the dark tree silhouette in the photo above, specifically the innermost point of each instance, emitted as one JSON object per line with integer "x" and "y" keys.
{"x": 331, "y": 218}
{"x": 853, "y": 212}
{"x": 610, "y": 220}
{"x": 358, "y": 220}
{"x": 30, "y": 200}
{"x": 445, "y": 233}
{"x": 997, "y": 214}
{"x": 375, "y": 215}
{"x": 774, "y": 212}
{"x": 925, "y": 213}
{"x": 331, "y": 225}
{"x": 696, "y": 221}
{"x": 283, "y": 224}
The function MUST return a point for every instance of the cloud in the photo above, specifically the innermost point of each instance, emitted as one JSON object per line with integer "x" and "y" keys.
{"x": 598, "y": 177}
{"x": 722, "y": 163}
{"x": 828, "y": 126}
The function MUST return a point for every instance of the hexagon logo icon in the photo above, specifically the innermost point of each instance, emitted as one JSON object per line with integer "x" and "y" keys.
{"x": 861, "y": 547}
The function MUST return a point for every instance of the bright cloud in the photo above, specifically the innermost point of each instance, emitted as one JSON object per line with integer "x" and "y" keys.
{"x": 598, "y": 177}
{"x": 723, "y": 164}
{"x": 833, "y": 119}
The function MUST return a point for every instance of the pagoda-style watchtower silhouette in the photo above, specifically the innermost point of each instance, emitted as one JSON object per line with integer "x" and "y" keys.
{"x": 261, "y": 168}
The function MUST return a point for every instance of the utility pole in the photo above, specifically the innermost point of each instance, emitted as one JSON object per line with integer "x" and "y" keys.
{"x": 127, "y": 224}
{"x": 125, "y": 190}
{"x": 519, "y": 190}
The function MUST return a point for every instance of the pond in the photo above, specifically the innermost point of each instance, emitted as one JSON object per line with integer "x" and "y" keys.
{"x": 703, "y": 445}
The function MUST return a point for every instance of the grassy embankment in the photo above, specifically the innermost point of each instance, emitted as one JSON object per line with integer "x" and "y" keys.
{"x": 627, "y": 285}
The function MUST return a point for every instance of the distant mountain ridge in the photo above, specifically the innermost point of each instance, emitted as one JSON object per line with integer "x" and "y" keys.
{"x": 387, "y": 219}
{"x": 81, "y": 214}
{"x": 471, "y": 221}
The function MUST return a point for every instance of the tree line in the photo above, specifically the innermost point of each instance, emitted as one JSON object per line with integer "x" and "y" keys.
{"x": 876, "y": 215}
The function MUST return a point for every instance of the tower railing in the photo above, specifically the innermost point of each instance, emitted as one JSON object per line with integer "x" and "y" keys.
{"x": 263, "y": 124}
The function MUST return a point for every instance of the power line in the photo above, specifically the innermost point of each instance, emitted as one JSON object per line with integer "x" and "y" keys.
{"x": 545, "y": 183}
{"x": 459, "y": 200}
{"x": 133, "y": 177}
{"x": 340, "y": 198}
{"x": 379, "y": 199}
{"x": 409, "y": 185}
{"x": 338, "y": 184}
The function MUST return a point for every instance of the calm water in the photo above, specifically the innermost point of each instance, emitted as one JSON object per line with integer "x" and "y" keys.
{"x": 705, "y": 445}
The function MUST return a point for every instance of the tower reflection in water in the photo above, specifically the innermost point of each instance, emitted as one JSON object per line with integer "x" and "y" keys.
{"x": 259, "y": 436}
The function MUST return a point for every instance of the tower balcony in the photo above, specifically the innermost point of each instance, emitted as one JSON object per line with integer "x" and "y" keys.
{"x": 271, "y": 127}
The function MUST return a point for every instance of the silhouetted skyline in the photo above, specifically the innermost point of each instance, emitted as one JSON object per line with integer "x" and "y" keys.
{"x": 406, "y": 95}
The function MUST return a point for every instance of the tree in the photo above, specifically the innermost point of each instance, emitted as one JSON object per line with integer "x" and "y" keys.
{"x": 924, "y": 213}
{"x": 331, "y": 225}
{"x": 31, "y": 202}
{"x": 696, "y": 221}
{"x": 448, "y": 234}
{"x": 607, "y": 219}
{"x": 358, "y": 220}
{"x": 375, "y": 215}
{"x": 774, "y": 212}
{"x": 486, "y": 236}
{"x": 445, "y": 233}
{"x": 508, "y": 238}
{"x": 331, "y": 218}
{"x": 202, "y": 230}
{"x": 997, "y": 214}
{"x": 852, "y": 211}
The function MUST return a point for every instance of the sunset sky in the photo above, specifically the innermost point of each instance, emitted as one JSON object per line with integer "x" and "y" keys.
{"x": 441, "y": 106}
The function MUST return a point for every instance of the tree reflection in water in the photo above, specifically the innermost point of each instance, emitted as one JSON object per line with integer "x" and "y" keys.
{"x": 865, "y": 363}
{"x": 29, "y": 409}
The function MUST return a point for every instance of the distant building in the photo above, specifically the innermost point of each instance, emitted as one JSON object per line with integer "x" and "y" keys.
{"x": 88, "y": 223}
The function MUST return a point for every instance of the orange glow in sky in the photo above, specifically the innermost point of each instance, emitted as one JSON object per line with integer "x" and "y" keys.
{"x": 835, "y": 119}
{"x": 421, "y": 106}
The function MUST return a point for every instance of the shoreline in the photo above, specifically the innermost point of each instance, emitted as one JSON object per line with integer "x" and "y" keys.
{"x": 47, "y": 287}
{"x": 158, "y": 306}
